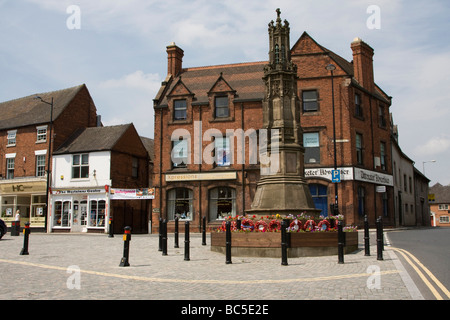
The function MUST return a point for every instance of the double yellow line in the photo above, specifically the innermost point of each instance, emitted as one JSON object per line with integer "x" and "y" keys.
{"x": 407, "y": 255}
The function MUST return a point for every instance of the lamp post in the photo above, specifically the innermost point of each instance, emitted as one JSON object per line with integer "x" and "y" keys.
{"x": 331, "y": 68}
{"x": 48, "y": 156}
{"x": 423, "y": 165}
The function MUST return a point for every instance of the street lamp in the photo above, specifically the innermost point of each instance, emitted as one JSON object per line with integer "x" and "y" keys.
{"x": 423, "y": 165}
{"x": 48, "y": 156}
{"x": 332, "y": 67}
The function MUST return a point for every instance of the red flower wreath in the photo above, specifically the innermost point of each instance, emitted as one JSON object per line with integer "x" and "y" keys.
{"x": 261, "y": 226}
{"x": 247, "y": 224}
{"x": 324, "y": 225}
{"x": 309, "y": 225}
{"x": 274, "y": 225}
{"x": 224, "y": 226}
{"x": 295, "y": 225}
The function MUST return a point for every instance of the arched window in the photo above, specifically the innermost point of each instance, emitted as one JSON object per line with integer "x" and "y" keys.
{"x": 179, "y": 204}
{"x": 277, "y": 54}
{"x": 222, "y": 203}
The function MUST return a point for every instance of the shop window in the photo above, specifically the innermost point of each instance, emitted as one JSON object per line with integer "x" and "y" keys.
{"x": 40, "y": 165}
{"x": 179, "y": 204}
{"x": 222, "y": 150}
{"x": 180, "y": 109}
{"x": 62, "y": 214}
{"x": 222, "y": 203}
{"x": 80, "y": 166}
{"x": 312, "y": 147}
{"x": 98, "y": 212}
{"x": 361, "y": 201}
{"x": 221, "y": 109}
{"x": 319, "y": 195}
{"x": 310, "y": 101}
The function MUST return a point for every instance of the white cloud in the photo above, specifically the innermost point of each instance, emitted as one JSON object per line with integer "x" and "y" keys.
{"x": 136, "y": 80}
{"x": 434, "y": 146}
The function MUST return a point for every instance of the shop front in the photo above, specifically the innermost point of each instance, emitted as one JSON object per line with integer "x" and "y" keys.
{"x": 79, "y": 210}
{"x": 25, "y": 197}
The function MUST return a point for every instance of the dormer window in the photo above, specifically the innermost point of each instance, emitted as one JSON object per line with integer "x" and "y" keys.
{"x": 180, "y": 107}
{"x": 221, "y": 109}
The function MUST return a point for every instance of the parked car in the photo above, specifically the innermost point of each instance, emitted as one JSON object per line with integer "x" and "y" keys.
{"x": 3, "y": 228}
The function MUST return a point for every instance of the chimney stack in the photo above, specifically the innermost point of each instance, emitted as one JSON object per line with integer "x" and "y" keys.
{"x": 175, "y": 59}
{"x": 363, "y": 64}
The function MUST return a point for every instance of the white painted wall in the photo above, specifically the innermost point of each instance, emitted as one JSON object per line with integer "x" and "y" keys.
{"x": 98, "y": 161}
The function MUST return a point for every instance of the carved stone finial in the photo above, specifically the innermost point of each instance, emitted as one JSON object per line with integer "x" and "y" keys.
{"x": 278, "y": 13}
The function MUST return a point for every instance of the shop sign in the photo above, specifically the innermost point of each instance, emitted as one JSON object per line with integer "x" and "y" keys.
{"x": 201, "y": 176}
{"x": 373, "y": 177}
{"x": 23, "y": 187}
{"x": 326, "y": 173}
{"x": 132, "y": 194}
{"x": 78, "y": 191}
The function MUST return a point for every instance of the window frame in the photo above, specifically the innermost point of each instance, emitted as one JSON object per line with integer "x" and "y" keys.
{"x": 221, "y": 107}
{"x": 173, "y": 200}
{"x": 82, "y": 173}
{"x": 178, "y": 108}
{"x": 40, "y": 165}
{"x": 305, "y": 101}
{"x": 314, "y": 149}
{"x": 11, "y": 138}
{"x": 359, "y": 149}
{"x": 39, "y": 134}
{"x": 229, "y": 196}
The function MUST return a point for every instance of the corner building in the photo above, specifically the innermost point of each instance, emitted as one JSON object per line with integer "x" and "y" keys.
{"x": 194, "y": 102}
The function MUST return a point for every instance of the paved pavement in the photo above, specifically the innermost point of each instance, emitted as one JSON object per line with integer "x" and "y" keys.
{"x": 86, "y": 266}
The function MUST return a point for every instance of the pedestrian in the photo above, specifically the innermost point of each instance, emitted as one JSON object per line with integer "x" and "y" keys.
{"x": 17, "y": 219}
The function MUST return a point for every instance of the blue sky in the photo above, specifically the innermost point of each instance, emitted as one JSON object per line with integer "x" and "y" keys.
{"x": 119, "y": 52}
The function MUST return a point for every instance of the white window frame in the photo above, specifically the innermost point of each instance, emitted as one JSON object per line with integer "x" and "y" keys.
{"x": 41, "y": 137}
{"x": 11, "y": 138}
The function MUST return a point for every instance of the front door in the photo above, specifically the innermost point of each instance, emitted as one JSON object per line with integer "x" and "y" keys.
{"x": 79, "y": 217}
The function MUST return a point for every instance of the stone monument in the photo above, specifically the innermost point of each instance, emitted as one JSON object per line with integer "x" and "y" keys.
{"x": 282, "y": 188}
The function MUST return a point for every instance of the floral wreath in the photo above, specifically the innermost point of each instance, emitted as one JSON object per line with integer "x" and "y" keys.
{"x": 274, "y": 225}
{"x": 224, "y": 226}
{"x": 261, "y": 226}
{"x": 324, "y": 225}
{"x": 295, "y": 225}
{"x": 247, "y": 224}
{"x": 309, "y": 225}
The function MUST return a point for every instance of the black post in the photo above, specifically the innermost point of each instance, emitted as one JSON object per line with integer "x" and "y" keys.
{"x": 284, "y": 244}
{"x": 126, "y": 247}
{"x": 379, "y": 239}
{"x": 26, "y": 233}
{"x": 111, "y": 233}
{"x": 238, "y": 224}
{"x": 176, "y": 233}
{"x": 164, "y": 237}
{"x": 228, "y": 242}
{"x": 15, "y": 228}
{"x": 186, "y": 241}
{"x": 366, "y": 236}
{"x": 341, "y": 243}
{"x": 160, "y": 235}
{"x": 204, "y": 232}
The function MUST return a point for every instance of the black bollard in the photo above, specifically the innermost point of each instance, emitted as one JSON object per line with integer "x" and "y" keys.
{"x": 341, "y": 243}
{"x": 379, "y": 239}
{"x": 228, "y": 242}
{"x": 164, "y": 237}
{"x": 26, "y": 233}
{"x": 15, "y": 228}
{"x": 204, "y": 232}
{"x": 186, "y": 241}
{"x": 366, "y": 236}
{"x": 124, "y": 262}
{"x": 176, "y": 233}
{"x": 160, "y": 235}
{"x": 284, "y": 243}
{"x": 111, "y": 233}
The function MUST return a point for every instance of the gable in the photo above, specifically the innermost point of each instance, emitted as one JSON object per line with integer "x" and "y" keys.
{"x": 221, "y": 85}
{"x": 306, "y": 45}
{"x": 180, "y": 89}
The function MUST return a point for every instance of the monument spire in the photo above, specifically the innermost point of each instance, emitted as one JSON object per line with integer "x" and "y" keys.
{"x": 284, "y": 191}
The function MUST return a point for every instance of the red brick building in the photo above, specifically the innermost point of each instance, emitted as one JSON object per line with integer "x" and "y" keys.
{"x": 25, "y": 128}
{"x": 194, "y": 101}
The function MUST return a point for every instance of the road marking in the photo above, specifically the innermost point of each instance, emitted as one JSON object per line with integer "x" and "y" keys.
{"x": 205, "y": 281}
{"x": 404, "y": 253}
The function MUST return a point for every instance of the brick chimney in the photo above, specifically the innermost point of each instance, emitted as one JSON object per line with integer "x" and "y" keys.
{"x": 363, "y": 64}
{"x": 175, "y": 59}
